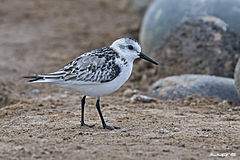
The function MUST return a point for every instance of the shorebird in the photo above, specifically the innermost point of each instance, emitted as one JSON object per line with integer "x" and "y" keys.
{"x": 98, "y": 72}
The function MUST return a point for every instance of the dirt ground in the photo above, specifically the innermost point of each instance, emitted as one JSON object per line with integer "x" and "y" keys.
{"x": 42, "y": 121}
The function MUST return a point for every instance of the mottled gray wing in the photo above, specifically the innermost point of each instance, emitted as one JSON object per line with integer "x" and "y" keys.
{"x": 92, "y": 68}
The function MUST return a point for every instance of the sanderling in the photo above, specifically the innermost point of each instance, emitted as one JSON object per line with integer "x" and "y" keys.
{"x": 98, "y": 72}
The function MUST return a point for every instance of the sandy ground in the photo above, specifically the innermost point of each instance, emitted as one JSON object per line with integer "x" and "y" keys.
{"x": 42, "y": 121}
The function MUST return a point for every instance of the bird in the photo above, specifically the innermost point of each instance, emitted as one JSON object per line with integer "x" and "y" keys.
{"x": 97, "y": 73}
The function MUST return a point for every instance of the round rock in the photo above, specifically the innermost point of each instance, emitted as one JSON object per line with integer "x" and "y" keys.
{"x": 188, "y": 85}
{"x": 199, "y": 46}
{"x": 163, "y": 15}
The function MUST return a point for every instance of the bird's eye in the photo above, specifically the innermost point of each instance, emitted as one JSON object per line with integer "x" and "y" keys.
{"x": 130, "y": 47}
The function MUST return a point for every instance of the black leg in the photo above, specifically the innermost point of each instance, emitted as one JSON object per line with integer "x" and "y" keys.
{"x": 102, "y": 119}
{"x": 82, "y": 118}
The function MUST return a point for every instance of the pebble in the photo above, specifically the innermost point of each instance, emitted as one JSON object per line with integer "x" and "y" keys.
{"x": 237, "y": 108}
{"x": 176, "y": 130}
{"x": 35, "y": 91}
{"x": 207, "y": 129}
{"x": 163, "y": 131}
{"x": 166, "y": 150}
{"x": 142, "y": 98}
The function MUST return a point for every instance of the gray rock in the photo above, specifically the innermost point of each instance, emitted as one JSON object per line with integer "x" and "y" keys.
{"x": 182, "y": 86}
{"x": 164, "y": 15}
{"x": 199, "y": 46}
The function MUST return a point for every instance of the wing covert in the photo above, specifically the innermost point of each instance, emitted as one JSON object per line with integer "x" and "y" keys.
{"x": 96, "y": 66}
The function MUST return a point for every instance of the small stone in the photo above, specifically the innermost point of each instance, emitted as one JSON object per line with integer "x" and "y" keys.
{"x": 64, "y": 96}
{"x": 182, "y": 145}
{"x": 139, "y": 153}
{"x": 142, "y": 98}
{"x": 79, "y": 147}
{"x": 40, "y": 136}
{"x": 35, "y": 91}
{"x": 176, "y": 130}
{"x": 166, "y": 150}
{"x": 237, "y": 108}
{"x": 207, "y": 129}
{"x": 163, "y": 131}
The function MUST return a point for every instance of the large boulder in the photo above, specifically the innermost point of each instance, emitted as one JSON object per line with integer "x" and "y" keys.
{"x": 199, "y": 46}
{"x": 182, "y": 86}
{"x": 164, "y": 15}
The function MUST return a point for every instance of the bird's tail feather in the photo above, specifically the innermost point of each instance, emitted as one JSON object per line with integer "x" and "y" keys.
{"x": 34, "y": 78}
{"x": 51, "y": 77}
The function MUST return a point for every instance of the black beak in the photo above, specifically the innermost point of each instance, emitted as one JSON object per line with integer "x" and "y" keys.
{"x": 143, "y": 56}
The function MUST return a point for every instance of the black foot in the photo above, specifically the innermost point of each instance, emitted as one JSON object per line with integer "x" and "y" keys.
{"x": 102, "y": 119}
{"x": 90, "y": 126}
{"x": 111, "y": 127}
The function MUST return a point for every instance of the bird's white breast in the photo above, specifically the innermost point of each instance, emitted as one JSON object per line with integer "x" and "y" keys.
{"x": 101, "y": 89}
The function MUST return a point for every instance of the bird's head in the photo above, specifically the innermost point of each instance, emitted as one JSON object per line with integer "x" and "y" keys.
{"x": 130, "y": 49}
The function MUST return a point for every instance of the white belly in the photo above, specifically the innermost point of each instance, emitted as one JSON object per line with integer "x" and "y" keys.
{"x": 101, "y": 89}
